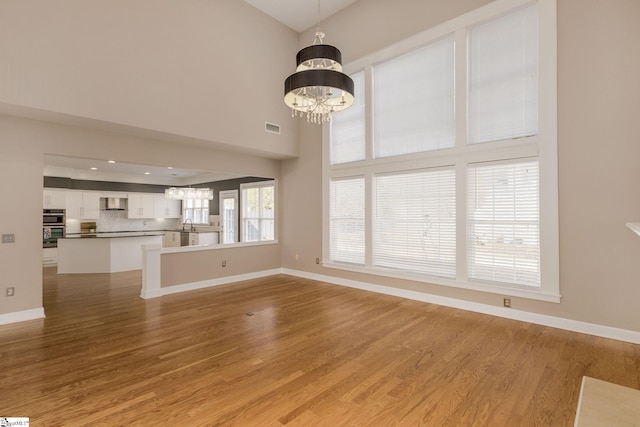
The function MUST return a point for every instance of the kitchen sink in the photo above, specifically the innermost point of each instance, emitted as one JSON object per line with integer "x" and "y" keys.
{"x": 184, "y": 238}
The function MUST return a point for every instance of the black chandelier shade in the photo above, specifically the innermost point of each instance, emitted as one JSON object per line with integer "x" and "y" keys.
{"x": 318, "y": 77}
{"x": 320, "y": 51}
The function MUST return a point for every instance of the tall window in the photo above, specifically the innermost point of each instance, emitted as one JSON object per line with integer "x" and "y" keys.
{"x": 414, "y": 102}
{"x": 455, "y": 180}
{"x": 346, "y": 223}
{"x": 415, "y": 222}
{"x": 504, "y": 222}
{"x": 349, "y": 127}
{"x": 258, "y": 211}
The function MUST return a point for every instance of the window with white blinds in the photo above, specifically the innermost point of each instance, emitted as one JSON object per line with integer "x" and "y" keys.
{"x": 503, "y": 77}
{"x": 414, "y": 101}
{"x": 415, "y": 222}
{"x": 346, "y": 223}
{"x": 348, "y": 127}
{"x": 504, "y": 222}
{"x": 457, "y": 176}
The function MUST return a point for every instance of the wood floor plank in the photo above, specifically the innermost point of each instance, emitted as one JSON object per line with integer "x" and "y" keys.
{"x": 282, "y": 350}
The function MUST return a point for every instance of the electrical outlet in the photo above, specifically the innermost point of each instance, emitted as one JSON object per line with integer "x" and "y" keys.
{"x": 10, "y": 291}
{"x": 297, "y": 257}
{"x": 507, "y": 302}
{"x": 224, "y": 263}
{"x": 317, "y": 260}
{"x": 8, "y": 238}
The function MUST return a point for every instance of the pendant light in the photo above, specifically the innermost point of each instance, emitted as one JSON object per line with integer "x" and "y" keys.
{"x": 183, "y": 193}
{"x": 318, "y": 87}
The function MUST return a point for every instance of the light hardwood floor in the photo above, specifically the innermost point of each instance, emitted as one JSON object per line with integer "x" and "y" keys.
{"x": 288, "y": 351}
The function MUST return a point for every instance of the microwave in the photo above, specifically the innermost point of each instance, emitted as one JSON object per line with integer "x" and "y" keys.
{"x": 53, "y": 216}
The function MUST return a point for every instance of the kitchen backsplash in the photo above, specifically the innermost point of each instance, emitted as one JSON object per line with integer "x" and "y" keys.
{"x": 118, "y": 221}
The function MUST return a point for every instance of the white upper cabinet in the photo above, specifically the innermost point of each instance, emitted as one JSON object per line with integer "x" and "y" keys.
{"x": 83, "y": 204}
{"x": 166, "y": 208}
{"x": 141, "y": 205}
{"x": 54, "y": 199}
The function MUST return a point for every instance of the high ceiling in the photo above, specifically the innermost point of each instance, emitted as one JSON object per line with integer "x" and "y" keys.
{"x": 300, "y": 15}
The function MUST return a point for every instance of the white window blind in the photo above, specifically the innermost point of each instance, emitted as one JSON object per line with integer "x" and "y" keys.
{"x": 415, "y": 222}
{"x": 347, "y": 127}
{"x": 503, "y": 222}
{"x": 346, "y": 227}
{"x": 258, "y": 206}
{"x": 503, "y": 77}
{"x": 414, "y": 101}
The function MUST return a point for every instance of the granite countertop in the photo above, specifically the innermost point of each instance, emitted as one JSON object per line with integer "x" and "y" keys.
{"x": 114, "y": 234}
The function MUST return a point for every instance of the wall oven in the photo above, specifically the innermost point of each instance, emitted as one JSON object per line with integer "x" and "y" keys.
{"x": 53, "y": 227}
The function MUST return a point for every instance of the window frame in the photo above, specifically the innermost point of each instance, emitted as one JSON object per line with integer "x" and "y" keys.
{"x": 204, "y": 211}
{"x": 542, "y": 146}
{"x": 260, "y": 219}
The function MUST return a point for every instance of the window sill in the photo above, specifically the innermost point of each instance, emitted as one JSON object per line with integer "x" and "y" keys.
{"x": 493, "y": 288}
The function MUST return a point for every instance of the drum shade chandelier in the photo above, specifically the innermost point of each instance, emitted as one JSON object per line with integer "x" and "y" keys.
{"x": 188, "y": 193}
{"x": 318, "y": 87}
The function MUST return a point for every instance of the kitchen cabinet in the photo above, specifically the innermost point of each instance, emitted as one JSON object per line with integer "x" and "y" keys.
{"x": 203, "y": 238}
{"x": 166, "y": 208}
{"x": 54, "y": 199}
{"x": 83, "y": 204}
{"x": 140, "y": 205}
{"x": 49, "y": 256}
{"x": 171, "y": 239}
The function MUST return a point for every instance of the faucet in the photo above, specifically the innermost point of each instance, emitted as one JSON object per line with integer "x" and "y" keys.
{"x": 185, "y": 223}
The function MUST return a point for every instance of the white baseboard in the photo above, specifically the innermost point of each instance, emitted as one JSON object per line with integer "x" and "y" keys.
{"x": 508, "y": 313}
{"x": 21, "y": 316}
{"x": 209, "y": 283}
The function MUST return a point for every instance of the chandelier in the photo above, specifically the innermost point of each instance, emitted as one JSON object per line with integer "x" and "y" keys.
{"x": 188, "y": 193}
{"x": 318, "y": 87}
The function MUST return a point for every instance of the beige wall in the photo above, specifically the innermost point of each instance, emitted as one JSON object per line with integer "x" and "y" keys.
{"x": 191, "y": 267}
{"x": 198, "y": 69}
{"x": 599, "y": 155}
{"x": 122, "y": 65}
{"x": 23, "y": 144}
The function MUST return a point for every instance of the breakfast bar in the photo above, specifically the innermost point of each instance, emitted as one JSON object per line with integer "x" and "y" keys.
{"x": 104, "y": 252}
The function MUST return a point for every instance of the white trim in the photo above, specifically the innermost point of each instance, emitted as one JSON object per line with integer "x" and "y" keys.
{"x": 185, "y": 287}
{"x": 475, "y": 285}
{"x": 22, "y": 316}
{"x": 215, "y": 246}
{"x": 507, "y": 313}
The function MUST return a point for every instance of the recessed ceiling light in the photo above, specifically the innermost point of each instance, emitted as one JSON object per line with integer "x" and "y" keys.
{"x": 94, "y": 169}
{"x": 147, "y": 173}
{"x": 169, "y": 167}
{"x": 111, "y": 161}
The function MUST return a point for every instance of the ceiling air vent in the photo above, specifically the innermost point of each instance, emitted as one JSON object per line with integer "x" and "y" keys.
{"x": 272, "y": 128}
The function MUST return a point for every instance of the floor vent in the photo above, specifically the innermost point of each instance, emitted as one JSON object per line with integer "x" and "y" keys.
{"x": 272, "y": 128}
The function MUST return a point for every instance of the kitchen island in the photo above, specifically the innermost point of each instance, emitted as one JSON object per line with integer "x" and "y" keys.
{"x": 104, "y": 252}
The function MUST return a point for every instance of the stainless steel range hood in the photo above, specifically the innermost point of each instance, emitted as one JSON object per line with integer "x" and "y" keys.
{"x": 115, "y": 204}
